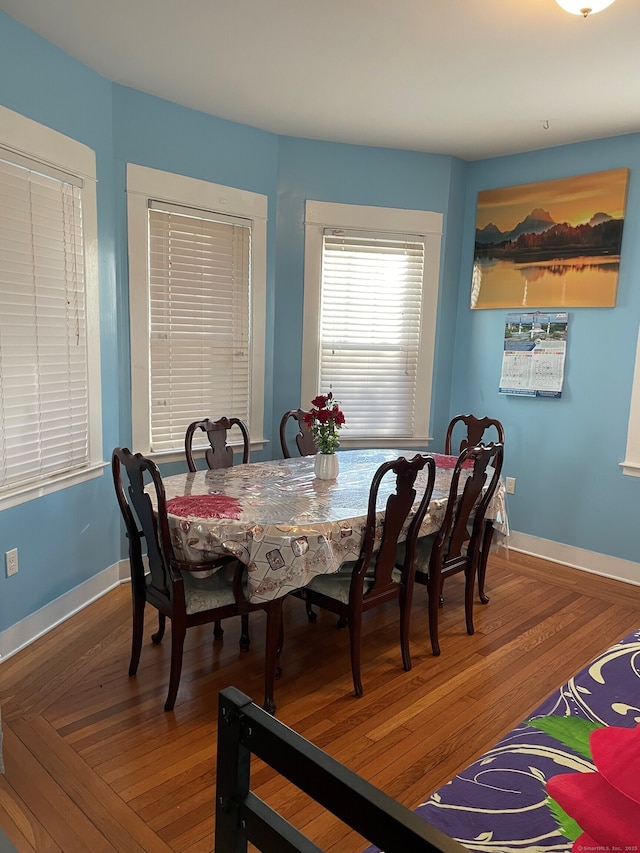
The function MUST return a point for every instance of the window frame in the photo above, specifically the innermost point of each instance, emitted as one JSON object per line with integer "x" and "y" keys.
{"x": 24, "y": 137}
{"x": 426, "y": 224}
{"x": 145, "y": 184}
{"x": 631, "y": 464}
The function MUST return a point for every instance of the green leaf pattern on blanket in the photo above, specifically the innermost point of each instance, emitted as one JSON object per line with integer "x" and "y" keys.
{"x": 567, "y": 825}
{"x": 571, "y": 731}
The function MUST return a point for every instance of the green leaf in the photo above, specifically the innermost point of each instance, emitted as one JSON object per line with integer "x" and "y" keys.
{"x": 567, "y": 825}
{"x": 571, "y": 731}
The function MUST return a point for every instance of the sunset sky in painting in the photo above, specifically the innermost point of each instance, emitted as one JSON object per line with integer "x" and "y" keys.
{"x": 573, "y": 200}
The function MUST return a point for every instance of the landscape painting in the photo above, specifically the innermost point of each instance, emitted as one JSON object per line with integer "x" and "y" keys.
{"x": 554, "y": 243}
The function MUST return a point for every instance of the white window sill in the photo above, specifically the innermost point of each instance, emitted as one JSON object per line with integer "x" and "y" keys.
{"x": 163, "y": 457}
{"x": 56, "y": 484}
{"x": 378, "y": 442}
{"x": 631, "y": 469}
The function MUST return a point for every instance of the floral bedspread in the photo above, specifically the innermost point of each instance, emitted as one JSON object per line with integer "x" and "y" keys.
{"x": 499, "y": 803}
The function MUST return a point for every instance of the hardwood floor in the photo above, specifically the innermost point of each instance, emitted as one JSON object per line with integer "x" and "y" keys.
{"x": 93, "y": 763}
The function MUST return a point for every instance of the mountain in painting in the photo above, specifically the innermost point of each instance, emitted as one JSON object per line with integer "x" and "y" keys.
{"x": 538, "y": 234}
{"x": 597, "y": 218}
{"x": 536, "y": 222}
{"x": 490, "y": 234}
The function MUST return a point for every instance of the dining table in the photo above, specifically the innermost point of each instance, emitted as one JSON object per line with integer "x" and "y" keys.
{"x": 285, "y": 524}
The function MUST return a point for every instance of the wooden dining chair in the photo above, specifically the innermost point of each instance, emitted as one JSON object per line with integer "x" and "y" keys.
{"x": 456, "y": 546}
{"x": 219, "y": 454}
{"x": 374, "y": 578}
{"x": 170, "y": 586}
{"x": 304, "y": 438}
{"x": 470, "y": 431}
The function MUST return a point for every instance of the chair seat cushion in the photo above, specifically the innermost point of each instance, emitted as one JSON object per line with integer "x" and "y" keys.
{"x": 337, "y": 585}
{"x": 202, "y": 594}
{"x": 424, "y": 546}
{"x": 334, "y": 586}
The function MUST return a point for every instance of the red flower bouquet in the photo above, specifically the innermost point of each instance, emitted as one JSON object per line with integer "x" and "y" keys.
{"x": 325, "y": 420}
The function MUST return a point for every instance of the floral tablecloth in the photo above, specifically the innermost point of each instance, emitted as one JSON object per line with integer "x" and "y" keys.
{"x": 285, "y": 524}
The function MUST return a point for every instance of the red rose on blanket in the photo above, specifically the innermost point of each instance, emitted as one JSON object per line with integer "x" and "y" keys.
{"x": 605, "y": 803}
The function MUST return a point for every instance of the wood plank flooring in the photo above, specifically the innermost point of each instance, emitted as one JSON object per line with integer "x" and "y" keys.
{"x": 93, "y": 763}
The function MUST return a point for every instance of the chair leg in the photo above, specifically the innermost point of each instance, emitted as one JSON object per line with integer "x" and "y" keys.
{"x": 433, "y": 587}
{"x": 273, "y": 638}
{"x": 280, "y": 647}
{"x": 355, "y": 640}
{"x": 469, "y": 583}
{"x": 162, "y": 621}
{"x": 244, "y": 632}
{"x": 136, "y": 634}
{"x": 482, "y": 561}
{"x": 405, "y": 624}
{"x": 218, "y": 632}
{"x": 311, "y": 614}
{"x": 178, "y": 633}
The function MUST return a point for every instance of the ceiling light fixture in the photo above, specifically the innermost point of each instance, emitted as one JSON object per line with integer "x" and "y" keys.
{"x": 584, "y": 7}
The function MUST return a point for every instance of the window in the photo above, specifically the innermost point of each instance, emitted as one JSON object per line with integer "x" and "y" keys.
{"x": 50, "y": 413}
{"x": 197, "y": 266}
{"x": 371, "y": 292}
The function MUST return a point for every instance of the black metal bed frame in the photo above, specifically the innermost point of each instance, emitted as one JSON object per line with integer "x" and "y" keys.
{"x": 244, "y": 730}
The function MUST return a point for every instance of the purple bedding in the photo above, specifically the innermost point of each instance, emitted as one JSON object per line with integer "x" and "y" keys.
{"x": 498, "y": 804}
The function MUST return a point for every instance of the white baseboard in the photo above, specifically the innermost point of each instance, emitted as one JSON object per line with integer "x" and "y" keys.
{"x": 578, "y": 558}
{"x": 29, "y": 629}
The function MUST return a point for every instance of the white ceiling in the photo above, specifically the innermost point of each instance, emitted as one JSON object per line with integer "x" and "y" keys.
{"x": 471, "y": 78}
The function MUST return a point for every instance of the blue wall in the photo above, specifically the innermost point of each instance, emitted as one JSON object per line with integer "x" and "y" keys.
{"x": 564, "y": 454}
{"x": 67, "y": 537}
{"x": 151, "y": 132}
{"x": 348, "y": 174}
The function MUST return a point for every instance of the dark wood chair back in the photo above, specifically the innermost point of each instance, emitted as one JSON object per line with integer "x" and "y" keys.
{"x": 375, "y": 577}
{"x": 377, "y": 560}
{"x": 152, "y": 528}
{"x": 456, "y": 546}
{"x": 219, "y": 454}
{"x": 304, "y": 439}
{"x": 169, "y": 587}
{"x": 471, "y": 431}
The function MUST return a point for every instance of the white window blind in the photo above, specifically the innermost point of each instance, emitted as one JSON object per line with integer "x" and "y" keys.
{"x": 370, "y": 324}
{"x": 199, "y": 290}
{"x": 43, "y": 326}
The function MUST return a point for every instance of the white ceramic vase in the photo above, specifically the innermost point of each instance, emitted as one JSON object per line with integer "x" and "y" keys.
{"x": 326, "y": 466}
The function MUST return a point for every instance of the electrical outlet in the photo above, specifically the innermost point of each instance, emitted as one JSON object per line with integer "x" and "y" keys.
{"x": 510, "y": 485}
{"x": 11, "y": 560}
